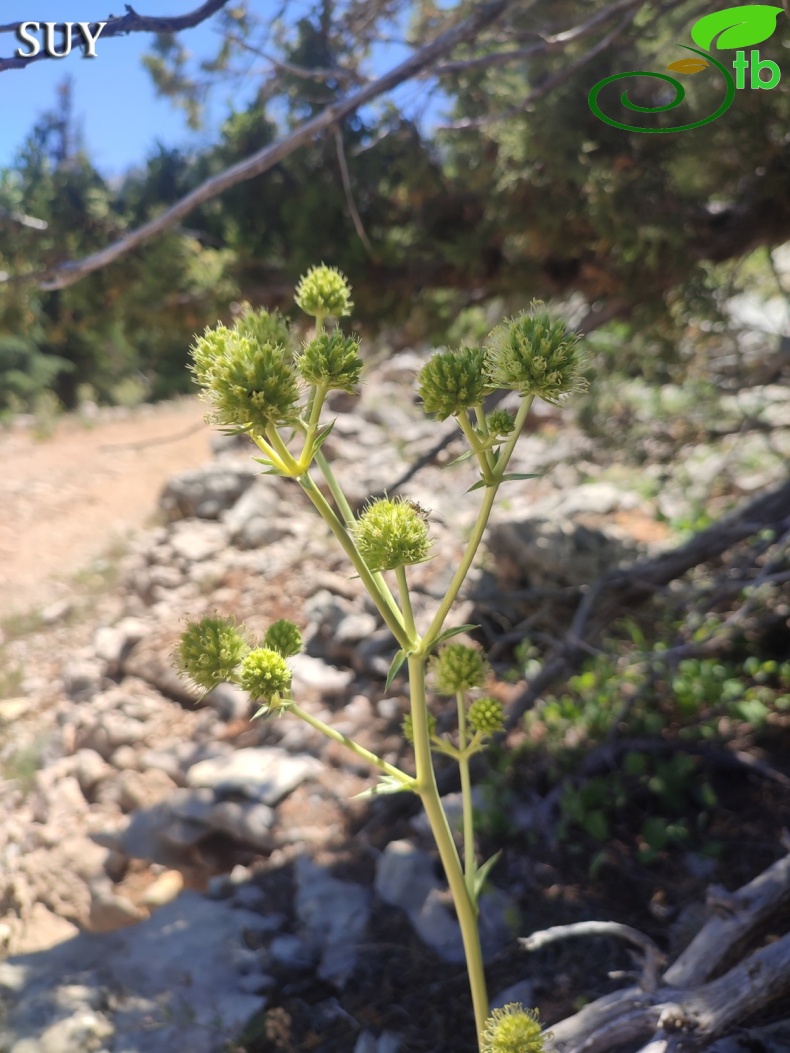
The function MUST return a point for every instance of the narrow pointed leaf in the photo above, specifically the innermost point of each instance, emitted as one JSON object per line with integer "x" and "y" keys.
{"x": 448, "y": 633}
{"x": 463, "y": 457}
{"x": 478, "y": 485}
{"x": 322, "y": 436}
{"x": 395, "y": 666}
{"x": 521, "y": 475}
{"x": 387, "y": 784}
{"x": 482, "y": 873}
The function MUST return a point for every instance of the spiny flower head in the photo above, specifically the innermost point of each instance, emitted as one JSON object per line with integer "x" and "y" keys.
{"x": 513, "y": 1029}
{"x": 323, "y": 292}
{"x": 264, "y": 673}
{"x": 250, "y": 385}
{"x": 452, "y": 381}
{"x": 265, "y": 327}
{"x": 283, "y": 637}
{"x": 500, "y": 422}
{"x": 535, "y": 354}
{"x": 390, "y": 534}
{"x": 331, "y": 360}
{"x": 407, "y": 727}
{"x": 210, "y": 651}
{"x": 457, "y": 668}
{"x": 487, "y": 715}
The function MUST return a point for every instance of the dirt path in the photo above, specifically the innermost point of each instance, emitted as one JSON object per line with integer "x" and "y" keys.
{"x": 68, "y": 499}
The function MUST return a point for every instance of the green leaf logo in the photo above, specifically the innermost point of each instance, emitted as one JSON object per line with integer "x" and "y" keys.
{"x": 737, "y": 27}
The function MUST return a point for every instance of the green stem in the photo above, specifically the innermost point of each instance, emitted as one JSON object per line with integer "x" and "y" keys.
{"x": 478, "y": 530}
{"x": 426, "y": 787}
{"x": 466, "y": 797}
{"x": 483, "y": 455}
{"x": 266, "y": 449}
{"x": 360, "y": 751}
{"x": 405, "y": 599}
{"x": 345, "y": 510}
{"x": 334, "y": 488}
{"x": 282, "y": 450}
{"x": 463, "y": 568}
{"x": 394, "y": 619}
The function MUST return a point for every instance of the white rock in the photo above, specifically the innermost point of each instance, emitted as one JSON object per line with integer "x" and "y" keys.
{"x": 196, "y": 541}
{"x": 264, "y": 774}
{"x": 405, "y": 876}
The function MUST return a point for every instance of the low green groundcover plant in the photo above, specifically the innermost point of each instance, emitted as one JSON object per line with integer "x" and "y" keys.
{"x": 257, "y": 385}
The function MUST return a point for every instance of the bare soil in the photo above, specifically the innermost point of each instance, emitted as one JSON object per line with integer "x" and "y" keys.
{"x": 71, "y": 498}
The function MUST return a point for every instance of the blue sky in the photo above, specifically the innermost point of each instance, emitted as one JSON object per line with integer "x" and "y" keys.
{"x": 114, "y": 97}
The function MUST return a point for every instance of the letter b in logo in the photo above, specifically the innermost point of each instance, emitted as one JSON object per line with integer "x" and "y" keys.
{"x": 756, "y": 66}
{"x": 756, "y": 72}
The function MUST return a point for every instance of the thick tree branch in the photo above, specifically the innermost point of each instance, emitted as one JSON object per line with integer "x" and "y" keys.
{"x": 65, "y": 274}
{"x": 131, "y": 22}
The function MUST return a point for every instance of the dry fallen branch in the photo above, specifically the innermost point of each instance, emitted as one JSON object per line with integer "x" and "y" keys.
{"x": 652, "y": 955}
{"x": 687, "y": 1011}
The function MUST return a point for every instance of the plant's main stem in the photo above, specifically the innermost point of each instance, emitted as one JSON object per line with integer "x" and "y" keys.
{"x": 466, "y": 796}
{"x": 426, "y": 787}
{"x": 394, "y": 620}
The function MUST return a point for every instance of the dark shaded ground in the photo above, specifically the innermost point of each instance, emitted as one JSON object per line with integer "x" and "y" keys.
{"x": 400, "y": 985}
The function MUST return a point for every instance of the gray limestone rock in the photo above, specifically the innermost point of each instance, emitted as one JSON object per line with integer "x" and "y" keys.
{"x": 203, "y": 493}
{"x": 246, "y": 821}
{"x": 196, "y": 541}
{"x": 163, "y": 985}
{"x": 334, "y": 915}
{"x": 262, "y": 774}
{"x": 254, "y": 520}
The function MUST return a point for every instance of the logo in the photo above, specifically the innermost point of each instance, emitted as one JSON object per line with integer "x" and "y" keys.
{"x": 736, "y": 29}
{"x": 26, "y": 35}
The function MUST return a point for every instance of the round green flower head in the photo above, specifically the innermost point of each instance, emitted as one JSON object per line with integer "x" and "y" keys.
{"x": 264, "y": 673}
{"x": 500, "y": 422}
{"x": 283, "y": 637}
{"x": 210, "y": 651}
{"x": 535, "y": 354}
{"x": 331, "y": 360}
{"x": 262, "y": 326}
{"x": 324, "y": 292}
{"x": 513, "y": 1029}
{"x": 390, "y": 534}
{"x": 457, "y": 668}
{"x": 407, "y": 727}
{"x": 451, "y": 382}
{"x": 487, "y": 715}
{"x": 250, "y": 385}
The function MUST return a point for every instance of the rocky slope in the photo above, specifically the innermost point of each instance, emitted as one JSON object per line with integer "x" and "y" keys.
{"x": 167, "y": 862}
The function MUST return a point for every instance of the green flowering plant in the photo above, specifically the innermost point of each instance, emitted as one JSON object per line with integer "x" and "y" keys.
{"x": 255, "y": 382}
{"x": 535, "y": 354}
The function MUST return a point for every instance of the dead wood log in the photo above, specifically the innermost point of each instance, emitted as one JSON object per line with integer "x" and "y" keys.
{"x": 685, "y": 1011}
